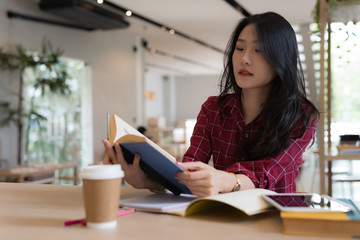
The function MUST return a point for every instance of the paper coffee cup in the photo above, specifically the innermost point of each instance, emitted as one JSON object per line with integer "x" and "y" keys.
{"x": 101, "y": 192}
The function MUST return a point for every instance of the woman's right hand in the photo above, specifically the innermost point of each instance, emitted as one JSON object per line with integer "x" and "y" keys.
{"x": 133, "y": 173}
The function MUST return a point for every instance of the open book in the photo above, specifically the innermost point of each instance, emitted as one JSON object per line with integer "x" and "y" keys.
{"x": 155, "y": 161}
{"x": 247, "y": 201}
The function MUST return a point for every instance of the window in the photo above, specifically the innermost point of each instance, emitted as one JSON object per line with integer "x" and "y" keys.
{"x": 345, "y": 49}
{"x": 62, "y": 136}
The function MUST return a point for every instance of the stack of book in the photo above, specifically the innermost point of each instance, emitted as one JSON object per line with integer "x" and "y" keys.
{"x": 335, "y": 224}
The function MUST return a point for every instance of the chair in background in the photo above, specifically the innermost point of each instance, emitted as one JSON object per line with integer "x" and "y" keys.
{"x": 41, "y": 178}
{"x": 4, "y": 164}
{"x": 16, "y": 174}
{"x": 349, "y": 145}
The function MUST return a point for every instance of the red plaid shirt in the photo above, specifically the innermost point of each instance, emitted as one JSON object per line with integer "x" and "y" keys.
{"x": 217, "y": 133}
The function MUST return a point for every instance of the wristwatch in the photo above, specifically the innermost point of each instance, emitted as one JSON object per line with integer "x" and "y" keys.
{"x": 237, "y": 186}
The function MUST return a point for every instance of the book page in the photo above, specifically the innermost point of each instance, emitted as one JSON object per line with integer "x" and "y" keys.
{"x": 118, "y": 128}
{"x": 160, "y": 202}
{"x": 248, "y": 201}
{"x": 121, "y": 132}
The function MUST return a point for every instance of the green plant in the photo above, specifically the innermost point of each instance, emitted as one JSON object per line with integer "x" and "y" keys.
{"x": 333, "y": 4}
{"x": 52, "y": 77}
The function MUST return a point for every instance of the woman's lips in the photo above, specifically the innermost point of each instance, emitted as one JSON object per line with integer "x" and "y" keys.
{"x": 244, "y": 72}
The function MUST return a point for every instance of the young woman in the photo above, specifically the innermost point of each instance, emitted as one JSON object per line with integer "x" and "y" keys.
{"x": 258, "y": 128}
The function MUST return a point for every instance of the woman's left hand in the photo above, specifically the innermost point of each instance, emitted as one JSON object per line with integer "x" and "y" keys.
{"x": 201, "y": 179}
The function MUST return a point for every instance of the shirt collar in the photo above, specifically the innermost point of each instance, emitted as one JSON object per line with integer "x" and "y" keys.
{"x": 233, "y": 106}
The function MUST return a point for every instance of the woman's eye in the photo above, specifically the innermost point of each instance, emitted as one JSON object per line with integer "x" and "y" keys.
{"x": 258, "y": 50}
{"x": 239, "y": 49}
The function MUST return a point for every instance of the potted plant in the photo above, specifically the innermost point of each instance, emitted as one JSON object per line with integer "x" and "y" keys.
{"x": 52, "y": 77}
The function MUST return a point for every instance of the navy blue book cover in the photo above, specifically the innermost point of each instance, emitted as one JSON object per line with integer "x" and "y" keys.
{"x": 157, "y": 166}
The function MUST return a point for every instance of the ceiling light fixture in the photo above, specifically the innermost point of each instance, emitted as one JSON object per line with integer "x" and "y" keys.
{"x": 100, "y": 1}
{"x": 128, "y": 13}
{"x": 152, "y": 50}
{"x": 167, "y": 68}
{"x": 162, "y": 26}
{"x": 238, "y": 8}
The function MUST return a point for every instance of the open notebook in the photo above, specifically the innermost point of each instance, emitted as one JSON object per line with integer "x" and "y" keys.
{"x": 248, "y": 201}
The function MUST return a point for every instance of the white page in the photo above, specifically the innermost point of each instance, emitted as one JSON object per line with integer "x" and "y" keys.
{"x": 161, "y": 202}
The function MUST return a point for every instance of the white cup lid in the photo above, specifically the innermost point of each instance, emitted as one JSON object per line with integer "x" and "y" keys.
{"x": 102, "y": 172}
{"x": 105, "y": 225}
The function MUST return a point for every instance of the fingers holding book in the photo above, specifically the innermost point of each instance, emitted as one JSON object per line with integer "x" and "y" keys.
{"x": 109, "y": 157}
{"x": 134, "y": 175}
{"x": 200, "y": 178}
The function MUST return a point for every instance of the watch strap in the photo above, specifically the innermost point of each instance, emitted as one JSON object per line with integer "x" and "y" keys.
{"x": 237, "y": 186}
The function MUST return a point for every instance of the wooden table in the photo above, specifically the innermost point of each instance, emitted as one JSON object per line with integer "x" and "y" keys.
{"x": 21, "y": 172}
{"x": 37, "y": 211}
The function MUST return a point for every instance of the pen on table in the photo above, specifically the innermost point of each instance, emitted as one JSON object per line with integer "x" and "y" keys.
{"x": 121, "y": 212}
{"x": 71, "y": 222}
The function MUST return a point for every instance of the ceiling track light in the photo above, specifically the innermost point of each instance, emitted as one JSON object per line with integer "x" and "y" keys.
{"x": 238, "y": 8}
{"x": 164, "y": 27}
{"x": 165, "y": 54}
{"x": 167, "y": 68}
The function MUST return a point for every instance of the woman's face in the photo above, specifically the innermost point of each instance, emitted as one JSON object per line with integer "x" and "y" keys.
{"x": 251, "y": 70}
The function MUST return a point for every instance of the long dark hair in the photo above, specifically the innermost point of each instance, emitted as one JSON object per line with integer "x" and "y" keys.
{"x": 283, "y": 109}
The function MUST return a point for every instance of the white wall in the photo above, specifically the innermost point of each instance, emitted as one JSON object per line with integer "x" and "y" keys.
{"x": 178, "y": 97}
{"x": 192, "y": 92}
{"x": 109, "y": 54}
{"x": 154, "y": 83}
{"x": 170, "y": 108}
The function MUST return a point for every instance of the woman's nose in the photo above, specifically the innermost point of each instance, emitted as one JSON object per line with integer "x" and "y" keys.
{"x": 246, "y": 58}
